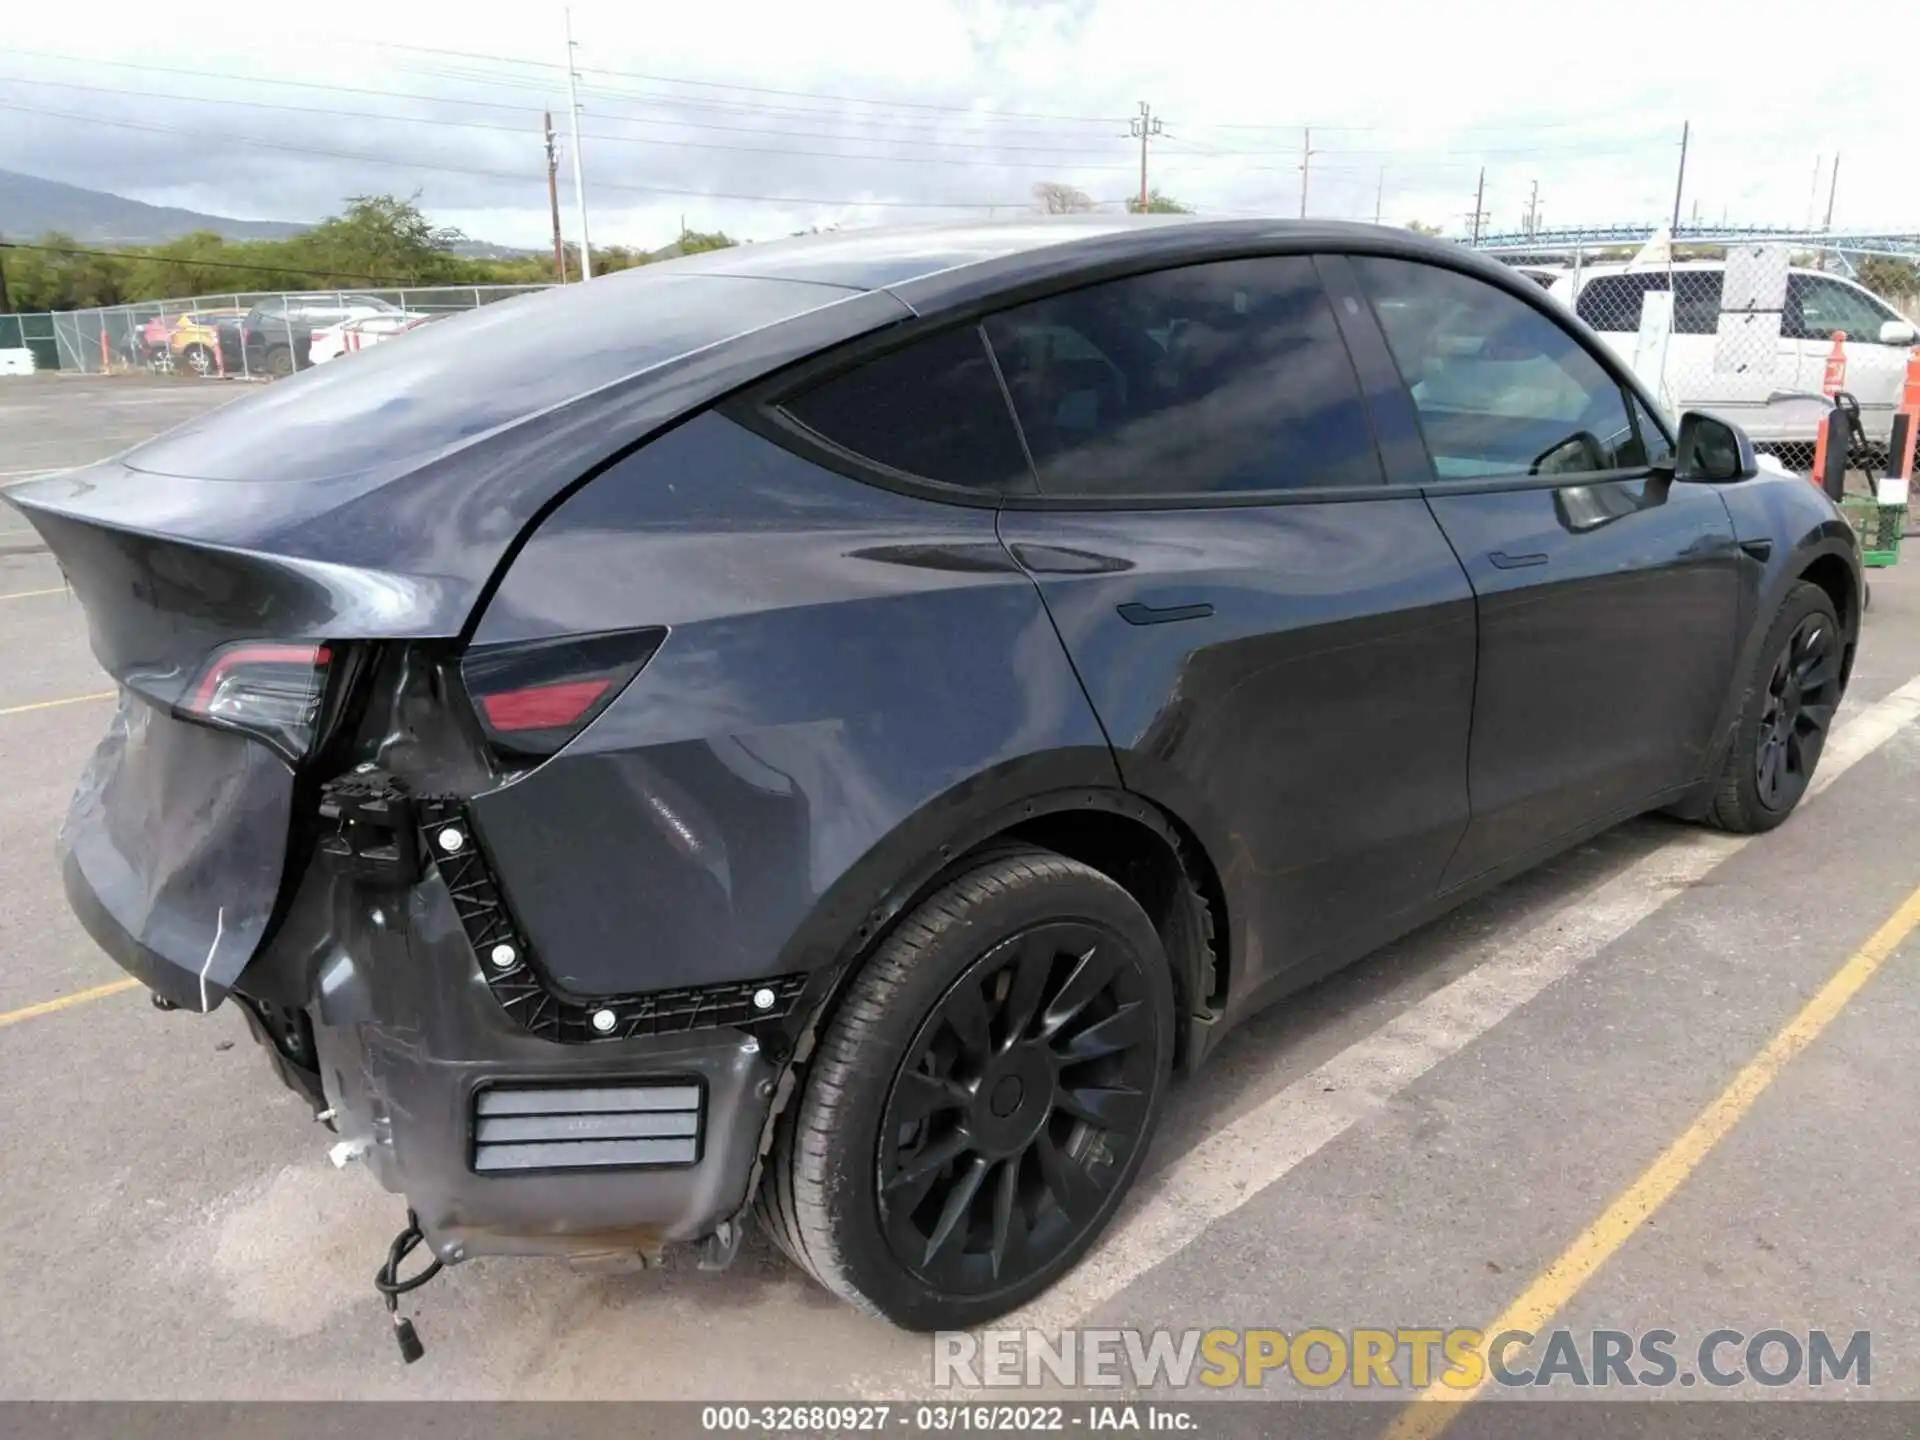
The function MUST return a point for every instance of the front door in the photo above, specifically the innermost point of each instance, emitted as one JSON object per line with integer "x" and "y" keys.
{"x": 1818, "y": 308}
{"x": 1607, "y": 593}
{"x": 1278, "y": 643}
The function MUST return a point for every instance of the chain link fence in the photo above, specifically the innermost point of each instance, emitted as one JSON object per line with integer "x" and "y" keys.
{"x": 251, "y": 335}
{"x": 1745, "y": 332}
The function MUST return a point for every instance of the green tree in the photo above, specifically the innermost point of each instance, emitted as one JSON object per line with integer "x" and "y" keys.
{"x": 1885, "y": 275}
{"x": 1158, "y": 204}
{"x": 203, "y": 263}
{"x": 59, "y": 273}
{"x": 1421, "y": 229}
{"x": 381, "y": 238}
{"x": 1056, "y": 198}
{"x": 693, "y": 242}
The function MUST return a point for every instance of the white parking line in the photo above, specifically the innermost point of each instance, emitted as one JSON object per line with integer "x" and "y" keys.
{"x": 1231, "y": 1167}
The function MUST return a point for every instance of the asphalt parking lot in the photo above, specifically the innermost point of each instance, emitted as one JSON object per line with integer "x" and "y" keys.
{"x": 1479, "y": 1122}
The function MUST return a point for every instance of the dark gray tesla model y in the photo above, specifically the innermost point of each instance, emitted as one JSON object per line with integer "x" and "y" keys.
{"x": 821, "y": 731}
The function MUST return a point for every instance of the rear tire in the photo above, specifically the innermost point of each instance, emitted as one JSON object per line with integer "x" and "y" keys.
{"x": 982, "y": 1098}
{"x": 279, "y": 362}
{"x": 1784, "y": 716}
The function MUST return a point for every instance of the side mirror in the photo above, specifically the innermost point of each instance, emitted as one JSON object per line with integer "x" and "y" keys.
{"x": 1578, "y": 454}
{"x": 1897, "y": 332}
{"x": 1713, "y": 450}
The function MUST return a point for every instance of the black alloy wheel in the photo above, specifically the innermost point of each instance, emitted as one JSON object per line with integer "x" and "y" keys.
{"x": 1786, "y": 708}
{"x": 1802, "y": 691}
{"x": 982, "y": 1095}
{"x": 1024, "y": 1094}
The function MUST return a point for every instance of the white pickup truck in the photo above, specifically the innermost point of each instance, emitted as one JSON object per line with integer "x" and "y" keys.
{"x": 1768, "y": 379}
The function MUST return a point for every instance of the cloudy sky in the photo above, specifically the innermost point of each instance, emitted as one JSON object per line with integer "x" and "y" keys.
{"x": 763, "y": 118}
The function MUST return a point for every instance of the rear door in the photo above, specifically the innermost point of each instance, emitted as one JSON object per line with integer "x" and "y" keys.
{"x": 1277, "y": 640}
{"x": 1607, "y": 593}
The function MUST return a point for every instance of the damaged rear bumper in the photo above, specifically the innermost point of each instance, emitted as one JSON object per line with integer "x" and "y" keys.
{"x": 372, "y": 1004}
{"x": 504, "y": 1142}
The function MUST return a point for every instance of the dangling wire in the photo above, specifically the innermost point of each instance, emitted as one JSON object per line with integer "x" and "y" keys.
{"x": 388, "y": 1282}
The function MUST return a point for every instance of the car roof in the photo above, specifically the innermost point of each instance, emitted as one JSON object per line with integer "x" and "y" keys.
{"x": 895, "y": 256}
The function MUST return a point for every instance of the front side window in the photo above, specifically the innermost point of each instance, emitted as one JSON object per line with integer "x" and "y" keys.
{"x": 1500, "y": 387}
{"x": 1209, "y": 379}
{"x": 1817, "y": 307}
{"x": 933, "y": 409}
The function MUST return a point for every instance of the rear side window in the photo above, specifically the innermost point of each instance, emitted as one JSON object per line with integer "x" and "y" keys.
{"x": 1501, "y": 388}
{"x": 1696, "y": 301}
{"x": 1208, "y": 379}
{"x": 933, "y": 409}
{"x": 1614, "y": 302}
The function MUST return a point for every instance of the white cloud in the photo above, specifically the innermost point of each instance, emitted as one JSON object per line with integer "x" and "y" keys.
{"x": 983, "y": 98}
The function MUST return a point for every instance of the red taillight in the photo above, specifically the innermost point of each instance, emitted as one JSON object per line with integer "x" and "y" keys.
{"x": 534, "y": 697}
{"x": 541, "y": 707}
{"x": 268, "y": 689}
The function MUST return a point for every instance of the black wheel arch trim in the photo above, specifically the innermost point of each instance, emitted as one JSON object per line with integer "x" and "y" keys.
{"x": 872, "y": 896}
{"x": 1832, "y": 539}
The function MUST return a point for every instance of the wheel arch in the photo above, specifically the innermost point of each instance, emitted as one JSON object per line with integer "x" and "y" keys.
{"x": 1827, "y": 558}
{"x": 1830, "y": 570}
{"x": 1138, "y": 844}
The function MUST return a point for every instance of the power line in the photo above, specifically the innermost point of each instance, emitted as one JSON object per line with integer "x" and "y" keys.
{"x": 513, "y": 175}
{"x": 210, "y": 264}
{"x": 750, "y": 89}
{"x": 629, "y": 96}
{"x": 498, "y": 128}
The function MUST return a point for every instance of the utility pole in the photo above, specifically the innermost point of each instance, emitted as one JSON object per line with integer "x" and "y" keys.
{"x": 6, "y": 305}
{"x": 1533, "y": 210}
{"x": 1145, "y": 126}
{"x": 579, "y": 176}
{"x": 1479, "y": 211}
{"x": 1833, "y": 184}
{"x": 1379, "y": 193}
{"x": 1306, "y": 160}
{"x": 1680, "y": 183}
{"x": 553, "y": 200}
{"x": 1813, "y": 191}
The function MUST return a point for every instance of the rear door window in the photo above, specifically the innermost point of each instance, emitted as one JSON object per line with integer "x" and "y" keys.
{"x": 1204, "y": 380}
{"x": 1501, "y": 387}
{"x": 1696, "y": 301}
{"x": 933, "y": 409}
{"x": 1613, "y": 302}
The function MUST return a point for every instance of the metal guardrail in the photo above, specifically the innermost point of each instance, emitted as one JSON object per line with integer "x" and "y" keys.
{"x": 1904, "y": 245}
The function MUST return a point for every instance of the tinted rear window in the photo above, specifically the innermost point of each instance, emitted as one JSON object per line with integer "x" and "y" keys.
{"x": 469, "y": 374}
{"x": 933, "y": 409}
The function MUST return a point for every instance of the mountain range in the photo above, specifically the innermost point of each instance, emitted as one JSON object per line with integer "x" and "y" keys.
{"x": 30, "y": 206}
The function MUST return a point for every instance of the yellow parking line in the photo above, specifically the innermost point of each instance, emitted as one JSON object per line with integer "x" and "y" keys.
{"x": 29, "y": 594}
{"x": 79, "y": 997}
{"x": 50, "y": 704}
{"x": 1438, "y": 1407}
